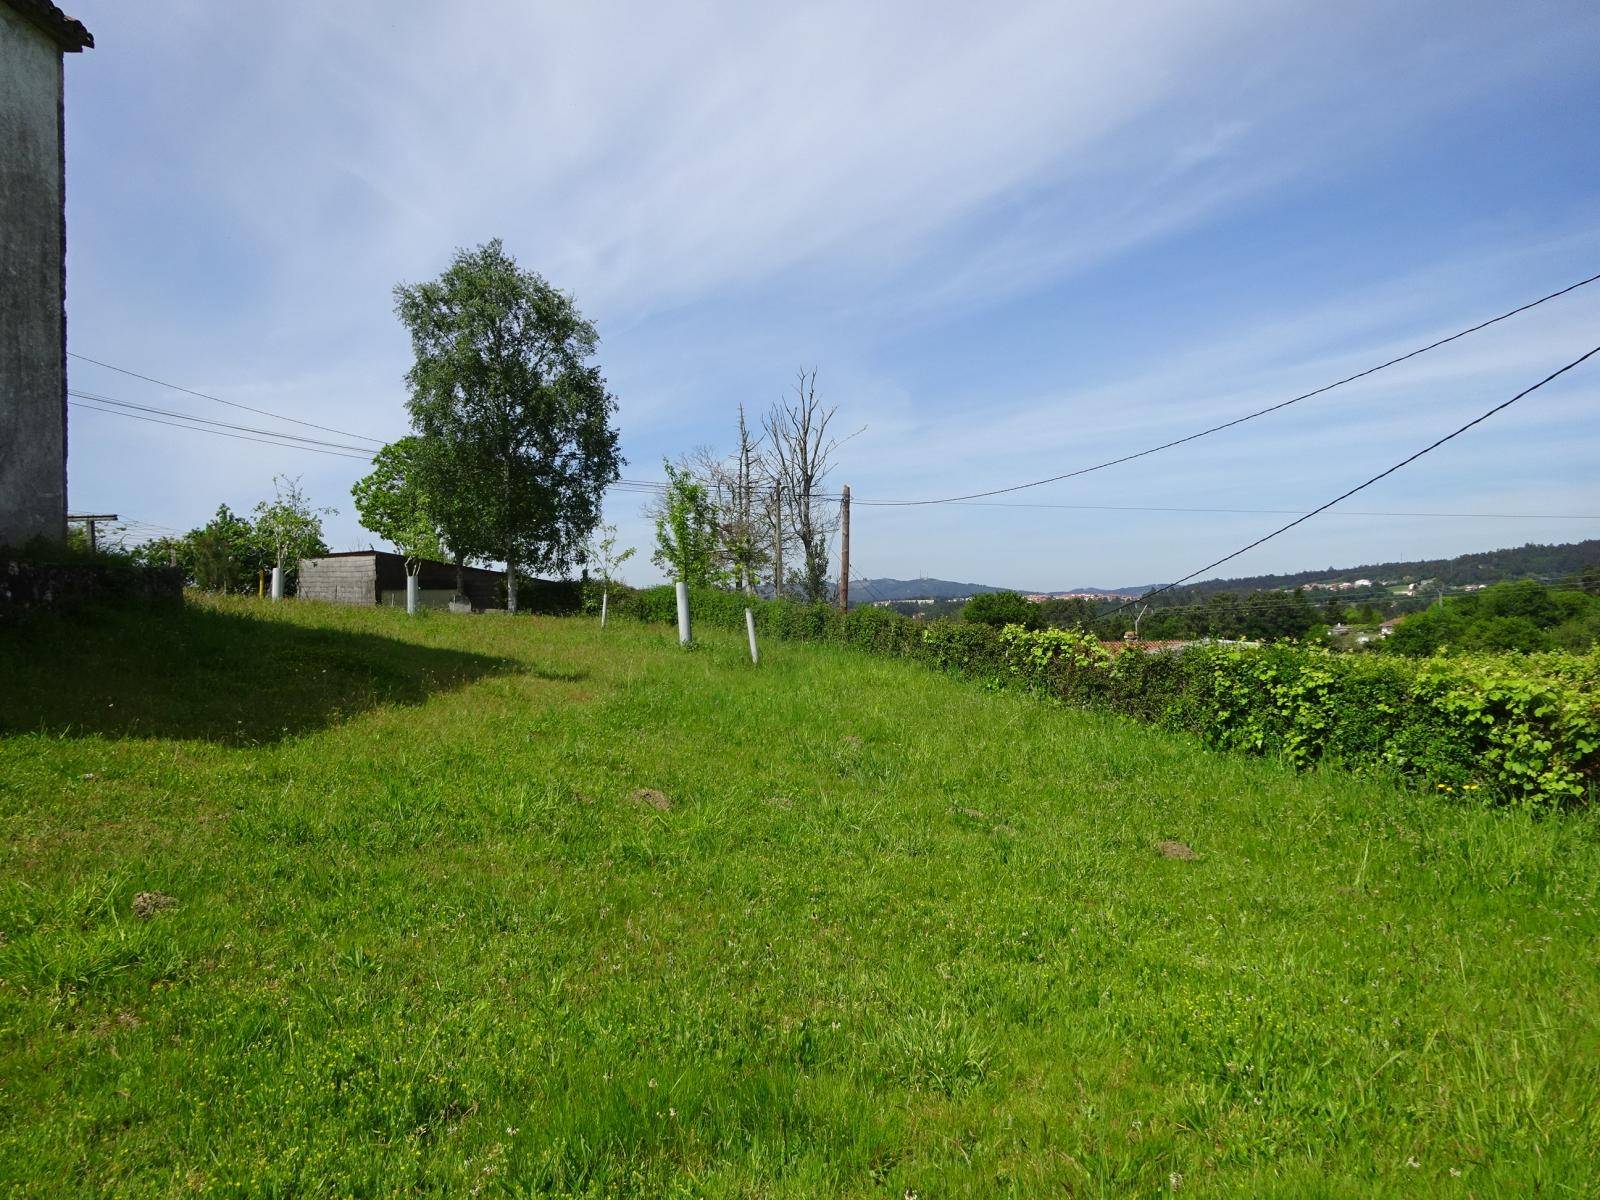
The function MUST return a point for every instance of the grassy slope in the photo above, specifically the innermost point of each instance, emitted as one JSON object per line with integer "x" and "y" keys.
{"x": 894, "y": 934}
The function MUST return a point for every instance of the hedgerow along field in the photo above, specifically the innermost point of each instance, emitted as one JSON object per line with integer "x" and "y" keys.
{"x": 306, "y": 901}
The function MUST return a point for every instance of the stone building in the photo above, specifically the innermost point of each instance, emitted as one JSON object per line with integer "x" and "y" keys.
{"x": 34, "y": 37}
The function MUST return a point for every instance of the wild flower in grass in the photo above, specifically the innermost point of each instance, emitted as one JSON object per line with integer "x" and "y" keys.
{"x": 1174, "y": 1181}
{"x": 652, "y": 1081}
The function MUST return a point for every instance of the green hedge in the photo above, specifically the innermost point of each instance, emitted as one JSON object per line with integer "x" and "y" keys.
{"x": 1503, "y": 727}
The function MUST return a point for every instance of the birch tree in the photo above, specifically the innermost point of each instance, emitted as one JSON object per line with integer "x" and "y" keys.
{"x": 514, "y": 414}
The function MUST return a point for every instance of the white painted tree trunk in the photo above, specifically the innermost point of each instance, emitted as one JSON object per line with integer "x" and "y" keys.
{"x": 511, "y": 587}
{"x": 750, "y": 628}
{"x": 277, "y": 583}
{"x": 683, "y": 613}
{"x": 604, "y": 596}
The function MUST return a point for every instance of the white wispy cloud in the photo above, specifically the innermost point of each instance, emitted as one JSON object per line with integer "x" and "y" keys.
{"x": 733, "y": 190}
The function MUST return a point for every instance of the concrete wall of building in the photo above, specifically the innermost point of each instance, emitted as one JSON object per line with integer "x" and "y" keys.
{"x": 367, "y": 578}
{"x": 33, "y": 398}
{"x": 341, "y": 580}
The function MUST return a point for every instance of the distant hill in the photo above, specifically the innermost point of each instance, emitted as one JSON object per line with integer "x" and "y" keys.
{"x": 916, "y": 589}
{"x": 1532, "y": 561}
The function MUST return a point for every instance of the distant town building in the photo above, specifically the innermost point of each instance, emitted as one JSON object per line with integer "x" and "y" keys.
{"x": 34, "y": 35}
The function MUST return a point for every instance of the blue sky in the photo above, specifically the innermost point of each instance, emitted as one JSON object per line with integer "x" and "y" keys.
{"x": 1013, "y": 241}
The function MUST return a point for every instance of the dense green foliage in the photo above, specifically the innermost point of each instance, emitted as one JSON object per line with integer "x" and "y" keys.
{"x": 1258, "y": 616}
{"x": 393, "y": 502}
{"x": 1000, "y": 609}
{"x": 516, "y": 444}
{"x": 1504, "y": 728}
{"x": 1508, "y": 616}
{"x": 686, "y": 531}
{"x": 1267, "y": 616}
{"x": 892, "y": 934}
{"x": 229, "y": 552}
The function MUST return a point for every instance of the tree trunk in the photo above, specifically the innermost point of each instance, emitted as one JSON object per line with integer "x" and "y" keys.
{"x": 511, "y": 585}
{"x": 461, "y": 578}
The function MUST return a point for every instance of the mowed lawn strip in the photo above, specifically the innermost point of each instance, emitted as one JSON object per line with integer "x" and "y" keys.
{"x": 409, "y": 926}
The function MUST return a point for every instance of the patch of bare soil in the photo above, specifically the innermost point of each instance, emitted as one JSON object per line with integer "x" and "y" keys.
{"x": 652, "y": 798}
{"x": 148, "y": 904}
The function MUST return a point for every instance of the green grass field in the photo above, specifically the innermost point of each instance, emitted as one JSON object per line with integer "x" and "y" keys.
{"x": 893, "y": 935}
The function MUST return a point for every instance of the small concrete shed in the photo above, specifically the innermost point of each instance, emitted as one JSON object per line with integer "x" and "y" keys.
{"x": 373, "y": 577}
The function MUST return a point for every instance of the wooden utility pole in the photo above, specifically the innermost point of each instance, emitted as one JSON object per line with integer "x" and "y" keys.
{"x": 844, "y": 549}
{"x": 90, "y": 519}
{"x": 777, "y": 541}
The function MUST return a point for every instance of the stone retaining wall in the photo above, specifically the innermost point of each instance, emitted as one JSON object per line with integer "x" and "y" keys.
{"x": 27, "y": 587}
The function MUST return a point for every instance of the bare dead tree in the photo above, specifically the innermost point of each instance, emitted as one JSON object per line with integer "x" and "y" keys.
{"x": 747, "y": 539}
{"x": 798, "y": 458}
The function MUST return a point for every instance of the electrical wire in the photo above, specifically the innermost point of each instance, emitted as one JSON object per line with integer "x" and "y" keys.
{"x": 1282, "y": 404}
{"x": 1277, "y": 511}
{"x": 230, "y": 403}
{"x": 81, "y": 404}
{"x": 640, "y": 487}
{"x": 165, "y": 412}
{"x": 1504, "y": 404}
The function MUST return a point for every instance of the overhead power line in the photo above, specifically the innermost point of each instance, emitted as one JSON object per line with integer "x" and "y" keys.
{"x": 1411, "y": 458}
{"x": 1285, "y": 511}
{"x": 165, "y": 412}
{"x": 1261, "y": 412}
{"x": 117, "y": 412}
{"x": 218, "y": 399}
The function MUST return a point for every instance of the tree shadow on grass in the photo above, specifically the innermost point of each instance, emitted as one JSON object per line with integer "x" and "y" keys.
{"x": 202, "y": 673}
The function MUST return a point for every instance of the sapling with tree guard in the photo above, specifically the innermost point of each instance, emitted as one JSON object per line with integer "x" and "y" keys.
{"x": 292, "y": 527}
{"x": 604, "y": 555}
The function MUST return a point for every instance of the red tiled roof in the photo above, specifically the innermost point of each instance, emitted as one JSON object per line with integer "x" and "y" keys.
{"x": 1148, "y": 644}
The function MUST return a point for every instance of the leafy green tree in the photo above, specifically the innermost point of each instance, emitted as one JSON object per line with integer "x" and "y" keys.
{"x": 392, "y": 502}
{"x": 1223, "y": 615}
{"x": 1276, "y": 616}
{"x": 1001, "y": 608}
{"x": 1073, "y": 612}
{"x": 224, "y": 553}
{"x": 516, "y": 420}
{"x": 1524, "y": 616}
{"x": 289, "y": 527}
{"x": 686, "y": 531}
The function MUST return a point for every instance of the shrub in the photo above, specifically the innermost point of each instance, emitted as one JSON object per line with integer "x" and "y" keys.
{"x": 1001, "y": 609}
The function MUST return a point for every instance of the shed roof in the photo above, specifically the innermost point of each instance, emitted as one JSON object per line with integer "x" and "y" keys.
{"x": 68, "y": 33}
{"x": 387, "y": 556}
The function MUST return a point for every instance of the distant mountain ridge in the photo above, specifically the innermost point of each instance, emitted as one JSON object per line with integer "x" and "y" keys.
{"x": 949, "y": 589}
{"x": 917, "y": 589}
{"x": 1533, "y": 560}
